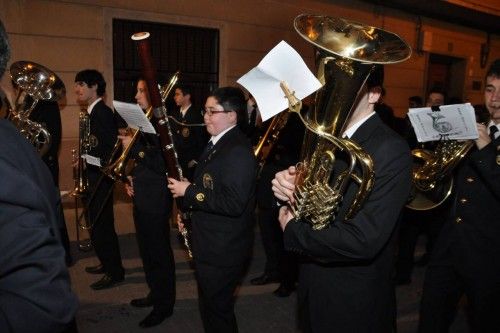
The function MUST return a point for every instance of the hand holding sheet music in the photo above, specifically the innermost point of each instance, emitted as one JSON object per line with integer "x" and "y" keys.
{"x": 134, "y": 116}
{"x": 282, "y": 63}
{"x": 454, "y": 122}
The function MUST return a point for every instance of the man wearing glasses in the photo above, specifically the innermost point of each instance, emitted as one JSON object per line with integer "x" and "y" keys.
{"x": 221, "y": 203}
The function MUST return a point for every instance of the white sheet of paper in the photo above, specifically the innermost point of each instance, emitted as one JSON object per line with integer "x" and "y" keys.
{"x": 282, "y": 63}
{"x": 455, "y": 122}
{"x": 92, "y": 160}
{"x": 134, "y": 116}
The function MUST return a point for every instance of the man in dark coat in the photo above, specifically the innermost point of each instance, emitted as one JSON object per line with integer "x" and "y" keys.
{"x": 345, "y": 278}
{"x": 89, "y": 89}
{"x": 221, "y": 202}
{"x": 35, "y": 292}
{"x": 466, "y": 257}
{"x": 190, "y": 136}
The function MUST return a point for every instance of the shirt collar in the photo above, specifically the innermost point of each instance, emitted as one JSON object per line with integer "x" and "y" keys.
{"x": 350, "y": 132}
{"x": 91, "y": 106}
{"x": 216, "y": 138}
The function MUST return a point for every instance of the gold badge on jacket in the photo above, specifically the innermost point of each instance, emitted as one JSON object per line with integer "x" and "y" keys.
{"x": 200, "y": 197}
{"x": 93, "y": 142}
{"x": 185, "y": 132}
{"x": 208, "y": 181}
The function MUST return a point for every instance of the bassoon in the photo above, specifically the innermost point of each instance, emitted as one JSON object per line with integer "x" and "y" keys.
{"x": 160, "y": 121}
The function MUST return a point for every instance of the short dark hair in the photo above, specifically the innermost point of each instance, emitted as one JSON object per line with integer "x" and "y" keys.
{"x": 494, "y": 69}
{"x": 92, "y": 77}
{"x": 232, "y": 99}
{"x": 186, "y": 89}
{"x": 436, "y": 90}
{"x": 416, "y": 99}
{"x": 376, "y": 78}
{"x": 4, "y": 49}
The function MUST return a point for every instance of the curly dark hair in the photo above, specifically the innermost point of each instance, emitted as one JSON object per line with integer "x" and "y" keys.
{"x": 92, "y": 77}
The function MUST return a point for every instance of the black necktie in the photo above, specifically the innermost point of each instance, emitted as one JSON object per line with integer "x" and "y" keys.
{"x": 209, "y": 146}
{"x": 493, "y": 130}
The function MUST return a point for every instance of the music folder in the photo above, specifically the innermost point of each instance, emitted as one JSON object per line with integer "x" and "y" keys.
{"x": 134, "y": 116}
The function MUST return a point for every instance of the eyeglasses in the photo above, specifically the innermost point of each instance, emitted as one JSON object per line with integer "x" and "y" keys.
{"x": 210, "y": 111}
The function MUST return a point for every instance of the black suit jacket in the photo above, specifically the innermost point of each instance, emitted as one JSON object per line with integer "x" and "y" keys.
{"x": 469, "y": 238}
{"x": 189, "y": 141}
{"x": 35, "y": 294}
{"x": 104, "y": 131}
{"x": 221, "y": 202}
{"x": 47, "y": 114}
{"x": 349, "y": 288}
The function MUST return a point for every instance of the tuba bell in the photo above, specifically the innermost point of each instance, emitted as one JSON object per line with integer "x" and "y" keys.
{"x": 39, "y": 83}
{"x": 346, "y": 53}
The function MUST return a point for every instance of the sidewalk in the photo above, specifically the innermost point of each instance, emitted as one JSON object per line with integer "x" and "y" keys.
{"x": 257, "y": 309}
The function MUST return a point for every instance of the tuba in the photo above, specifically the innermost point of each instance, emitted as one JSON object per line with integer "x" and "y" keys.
{"x": 346, "y": 53}
{"x": 39, "y": 83}
{"x": 120, "y": 168}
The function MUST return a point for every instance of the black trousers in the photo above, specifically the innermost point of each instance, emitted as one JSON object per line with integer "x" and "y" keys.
{"x": 413, "y": 223}
{"x": 216, "y": 287}
{"x": 445, "y": 283}
{"x": 103, "y": 235}
{"x": 152, "y": 208}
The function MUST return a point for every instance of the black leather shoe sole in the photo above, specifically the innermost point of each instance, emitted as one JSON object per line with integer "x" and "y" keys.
{"x": 141, "y": 302}
{"x": 105, "y": 283}
{"x": 264, "y": 279}
{"x": 155, "y": 318}
{"x": 283, "y": 291}
{"x": 95, "y": 269}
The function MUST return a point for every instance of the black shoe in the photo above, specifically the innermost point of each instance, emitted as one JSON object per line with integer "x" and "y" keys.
{"x": 283, "y": 290}
{"x": 106, "y": 282}
{"x": 402, "y": 281}
{"x": 142, "y": 302}
{"x": 99, "y": 269}
{"x": 156, "y": 317}
{"x": 264, "y": 279}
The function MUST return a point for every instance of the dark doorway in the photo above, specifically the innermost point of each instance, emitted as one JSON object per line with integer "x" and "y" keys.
{"x": 191, "y": 50}
{"x": 448, "y": 74}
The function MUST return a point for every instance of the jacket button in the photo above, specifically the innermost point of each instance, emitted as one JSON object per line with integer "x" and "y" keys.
{"x": 463, "y": 201}
{"x": 470, "y": 179}
{"x": 458, "y": 220}
{"x": 141, "y": 154}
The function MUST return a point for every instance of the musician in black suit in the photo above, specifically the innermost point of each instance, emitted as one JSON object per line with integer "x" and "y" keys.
{"x": 35, "y": 292}
{"x": 189, "y": 141}
{"x": 221, "y": 203}
{"x": 152, "y": 207}
{"x": 89, "y": 89}
{"x": 466, "y": 256}
{"x": 345, "y": 276}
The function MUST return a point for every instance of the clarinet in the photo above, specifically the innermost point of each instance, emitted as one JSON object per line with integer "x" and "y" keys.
{"x": 162, "y": 125}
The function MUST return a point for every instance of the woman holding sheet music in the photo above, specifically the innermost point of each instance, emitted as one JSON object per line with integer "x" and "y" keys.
{"x": 152, "y": 208}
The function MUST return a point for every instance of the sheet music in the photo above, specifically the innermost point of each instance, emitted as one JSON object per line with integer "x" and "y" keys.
{"x": 92, "y": 160}
{"x": 455, "y": 122}
{"x": 282, "y": 63}
{"x": 134, "y": 116}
